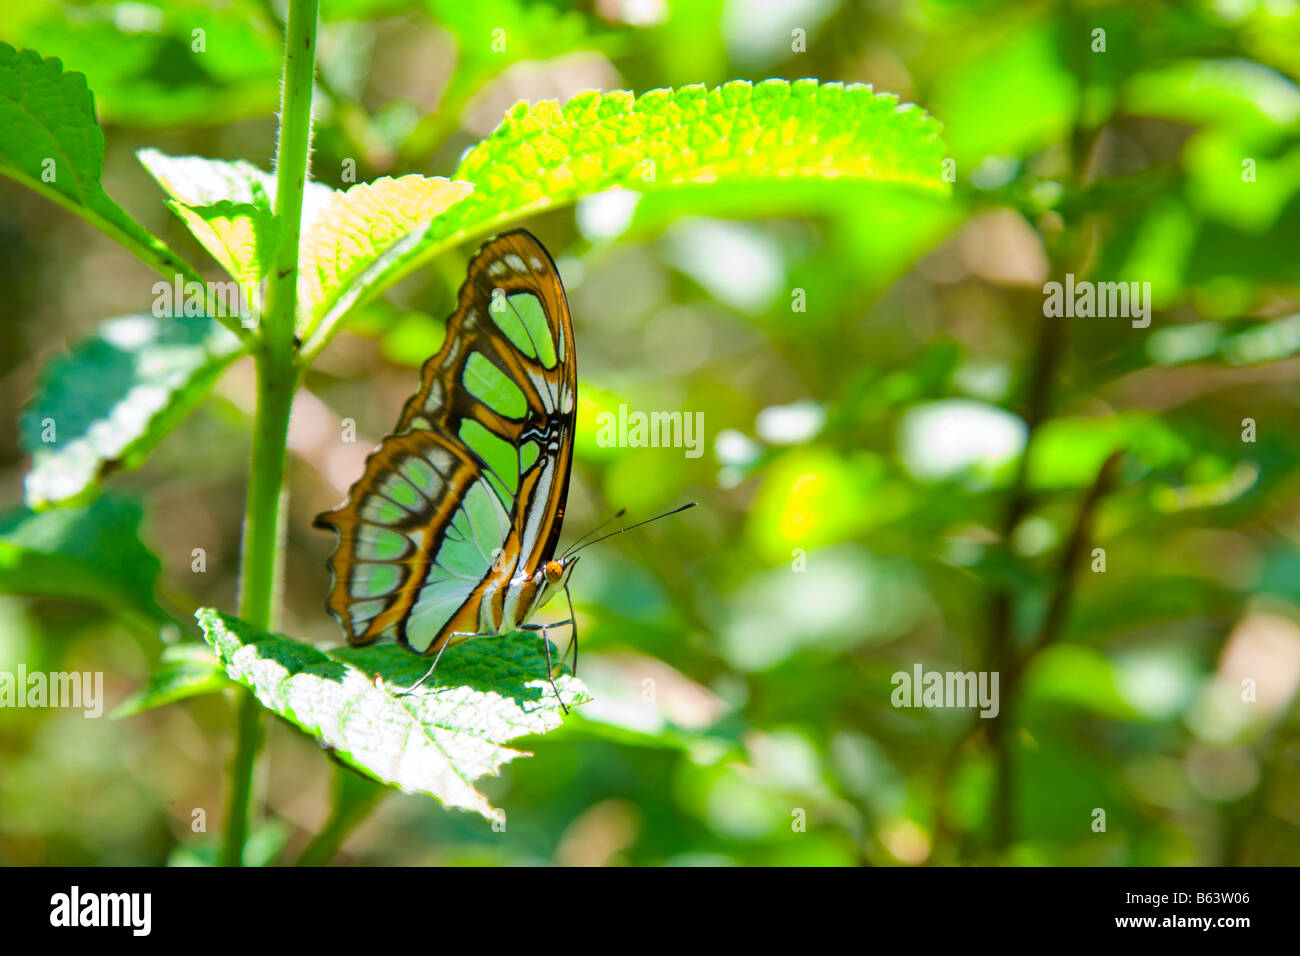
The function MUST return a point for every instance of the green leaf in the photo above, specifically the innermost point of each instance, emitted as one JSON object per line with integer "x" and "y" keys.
{"x": 532, "y": 31}
{"x": 1067, "y": 452}
{"x": 355, "y": 795}
{"x": 198, "y": 181}
{"x": 1005, "y": 89}
{"x": 1070, "y": 675}
{"x": 1227, "y": 92}
{"x": 437, "y": 741}
{"x": 704, "y": 747}
{"x": 229, "y": 207}
{"x": 356, "y": 228}
{"x": 50, "y": 142}
{"x": 92, "y": 553}
{"x": 105, "y": 405}
{"x": 184, "y": 670}
{"x": 543, "y": 156}
{"x": 240, "y": 236}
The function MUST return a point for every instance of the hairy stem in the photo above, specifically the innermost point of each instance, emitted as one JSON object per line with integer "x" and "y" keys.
{"x": 277, "y": 377}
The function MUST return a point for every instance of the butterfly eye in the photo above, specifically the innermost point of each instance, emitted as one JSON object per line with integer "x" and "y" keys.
{"x": 554, "y": 571}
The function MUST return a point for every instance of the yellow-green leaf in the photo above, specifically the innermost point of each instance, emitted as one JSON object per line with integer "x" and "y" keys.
{"x": 240, "y": 236}
{"x": 358, "y": 227}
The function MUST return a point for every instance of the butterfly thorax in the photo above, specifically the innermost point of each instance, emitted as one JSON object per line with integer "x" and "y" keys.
{"x": 509, "y": 605}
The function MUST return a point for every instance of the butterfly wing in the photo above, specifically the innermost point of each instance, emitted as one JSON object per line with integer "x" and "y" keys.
{"x": 469, "y": 490}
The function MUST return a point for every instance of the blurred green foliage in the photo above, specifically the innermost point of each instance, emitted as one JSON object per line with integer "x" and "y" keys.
{"x": 867, "y": 501}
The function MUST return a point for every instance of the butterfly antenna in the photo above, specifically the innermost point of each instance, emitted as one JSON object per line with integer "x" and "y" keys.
{"x": 689, "y": 504}
{"x": 614, "y": 517}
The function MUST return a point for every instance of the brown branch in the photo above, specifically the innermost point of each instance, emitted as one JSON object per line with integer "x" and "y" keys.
{"x": 1011, "y": 665}
{"x": 1071, "y": 557}
{"x": 1002, "y": 610}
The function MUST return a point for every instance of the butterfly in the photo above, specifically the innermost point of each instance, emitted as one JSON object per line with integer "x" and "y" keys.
{"x": 450, "y": 533}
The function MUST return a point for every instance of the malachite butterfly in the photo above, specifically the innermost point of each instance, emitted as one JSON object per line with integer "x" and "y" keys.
{"x": 451, "y": 531}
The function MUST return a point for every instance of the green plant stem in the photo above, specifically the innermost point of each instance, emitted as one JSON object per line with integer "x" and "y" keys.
{"x": 248, "y": 739}
{"x": 354, "y": 797}
{"x": 291, "y": 173}
{"x": 1005, "y": 657}
{"x": 265, "y": 506}
{"x": 277, "y": 378}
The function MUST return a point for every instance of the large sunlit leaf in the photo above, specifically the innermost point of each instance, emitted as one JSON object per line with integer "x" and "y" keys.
{"x": 437, "y": 741}
{"x": 107, "y": 403}
{"x": 356, "y": 228}
{"x": 544, "y": 155}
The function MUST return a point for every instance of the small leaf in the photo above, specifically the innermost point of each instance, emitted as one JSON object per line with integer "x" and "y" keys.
{"x": 105, "y": 405}
{"x": 184, "y": 670}
{"x": 538, "y": 31}
{"x": 358, "y": 227}
{"x": 92, "y": 553}
{"x": 240, "y": 236}
{"x": 50, "y": 142}
{"x": 436, "y": 741}
{"x": 229, "y": 207}
{"x": 198, "y": 181}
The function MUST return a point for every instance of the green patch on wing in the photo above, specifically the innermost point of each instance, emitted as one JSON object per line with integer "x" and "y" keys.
{"x": 535, "y": 330}
{"x": 493, "y": 387}
{"x": 498, "y": 453}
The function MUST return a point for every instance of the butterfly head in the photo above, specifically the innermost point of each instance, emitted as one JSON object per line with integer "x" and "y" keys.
{"x": 554, "y": 572}
{"x": 554, "y": 576}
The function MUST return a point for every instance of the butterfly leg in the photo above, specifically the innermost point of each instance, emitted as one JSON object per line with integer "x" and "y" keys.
{"x": 573, "y": 634}
{"x": 546, "y": 645}
{"x": 434, "y": 666}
